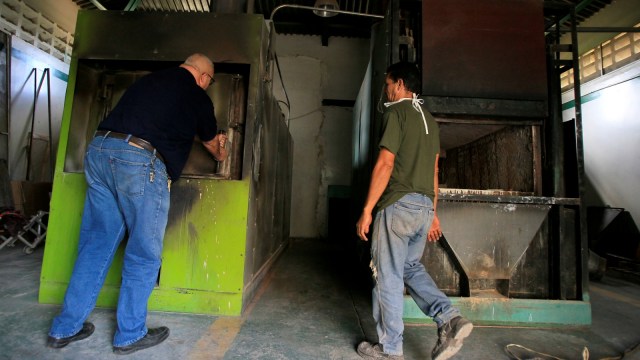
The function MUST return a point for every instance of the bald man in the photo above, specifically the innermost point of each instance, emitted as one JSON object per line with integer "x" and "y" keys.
{"x": 137, "y": 151}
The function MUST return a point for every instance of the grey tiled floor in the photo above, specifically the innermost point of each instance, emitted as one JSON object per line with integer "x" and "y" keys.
{"x": 309, "y": 307}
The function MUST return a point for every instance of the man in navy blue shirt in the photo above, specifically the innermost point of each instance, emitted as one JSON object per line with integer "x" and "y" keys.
{"x": 137, "y": 151}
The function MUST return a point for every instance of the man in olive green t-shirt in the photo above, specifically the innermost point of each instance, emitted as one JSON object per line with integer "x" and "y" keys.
{"x": 404, "y": 192}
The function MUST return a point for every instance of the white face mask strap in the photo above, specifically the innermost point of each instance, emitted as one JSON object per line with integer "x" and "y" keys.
{"x": 417, "y": 105}
{"x": 387, "y": 104}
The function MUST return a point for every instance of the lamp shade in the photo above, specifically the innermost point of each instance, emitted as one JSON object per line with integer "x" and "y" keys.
{"x": 323, "y": 5}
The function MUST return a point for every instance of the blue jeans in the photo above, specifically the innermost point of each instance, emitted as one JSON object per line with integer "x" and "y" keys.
{"x": 398, "y": 241}
{"x": 128, "y": 191}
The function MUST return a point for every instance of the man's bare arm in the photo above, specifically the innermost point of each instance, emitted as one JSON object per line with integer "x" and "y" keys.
{"x": 435, "y": 232}
{"x": 216, "y": 147}
{"x": 379, "y": 180}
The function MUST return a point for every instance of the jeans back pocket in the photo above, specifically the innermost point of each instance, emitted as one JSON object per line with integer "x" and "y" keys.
{"x": 408, "y": 218}
{"x": 130, "y": 176}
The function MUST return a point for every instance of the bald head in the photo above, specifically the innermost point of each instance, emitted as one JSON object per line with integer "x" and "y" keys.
{"x": 201, "y": 67}
{"x": 200, "y": 61}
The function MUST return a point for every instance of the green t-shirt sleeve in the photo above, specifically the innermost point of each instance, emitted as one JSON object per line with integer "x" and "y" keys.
{"x": 391, "y": 137}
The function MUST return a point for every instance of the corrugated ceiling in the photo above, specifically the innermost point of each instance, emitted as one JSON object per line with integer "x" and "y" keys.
{"x": 291, "y": 20}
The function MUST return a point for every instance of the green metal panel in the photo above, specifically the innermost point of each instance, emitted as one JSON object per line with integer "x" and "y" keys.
{"x": 65, "y": 214}
{"x": 64, "y": 224}
{"x": 518, "y": 312}
{"x": 204, "y": 247}
{"x": 209, "y": 263}
{"x": 209, "y": 237}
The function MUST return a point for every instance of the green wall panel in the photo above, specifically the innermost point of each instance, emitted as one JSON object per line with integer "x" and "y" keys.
{"x": 203, "y": 254}
{"x": 210, "y": 236}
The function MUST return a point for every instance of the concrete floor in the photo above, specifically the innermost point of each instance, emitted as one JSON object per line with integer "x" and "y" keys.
{"x": 309, "y": 307}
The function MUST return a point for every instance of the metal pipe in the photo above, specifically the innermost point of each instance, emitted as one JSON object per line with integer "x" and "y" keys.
{"x": 537, "y": 160}
{"x": 583, "y": 247}
{"x": 98, "y": 5}
{"x": 288, "y": 103}
{"x": 8, "y": 97}
{"x": 555, "y": 145}
{"x": 36, "y": 93}
{"x": 51, "y": 154}
{"x": 605, "y": 29}
{"x": 489, "y": 121}
{"x": 33, "y": 120}
{"x": 322, "y": 9}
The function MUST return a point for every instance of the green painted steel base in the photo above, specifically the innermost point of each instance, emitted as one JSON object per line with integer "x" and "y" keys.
{"x": 204, "y": 248}
{"x": 513, "y": 312}
{"x": 162, "y": 299}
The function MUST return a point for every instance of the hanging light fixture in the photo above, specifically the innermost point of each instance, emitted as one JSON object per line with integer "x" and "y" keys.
{"x": 323, "y": 8}
{"x": 323, "y": 5}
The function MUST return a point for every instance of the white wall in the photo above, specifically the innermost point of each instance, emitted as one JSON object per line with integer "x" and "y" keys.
{"x": 611, "y": 133}
{"x": 24, "y": 58}
{"x": 321, "y": 135}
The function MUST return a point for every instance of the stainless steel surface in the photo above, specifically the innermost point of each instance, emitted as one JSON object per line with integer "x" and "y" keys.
{"x": 489, "y": 238}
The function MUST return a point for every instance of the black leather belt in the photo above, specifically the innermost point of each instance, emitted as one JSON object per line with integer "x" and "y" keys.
{"x": 132, "y": 140}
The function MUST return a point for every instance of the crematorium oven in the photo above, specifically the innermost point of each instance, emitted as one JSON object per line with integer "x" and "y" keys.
{"x": 512, "y": 250}
{"x": 228, "y": 221}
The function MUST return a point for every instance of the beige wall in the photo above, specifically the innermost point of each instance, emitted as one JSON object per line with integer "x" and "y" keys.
{"x": 321, "y": 134}
{"x": 62, "y": 12}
